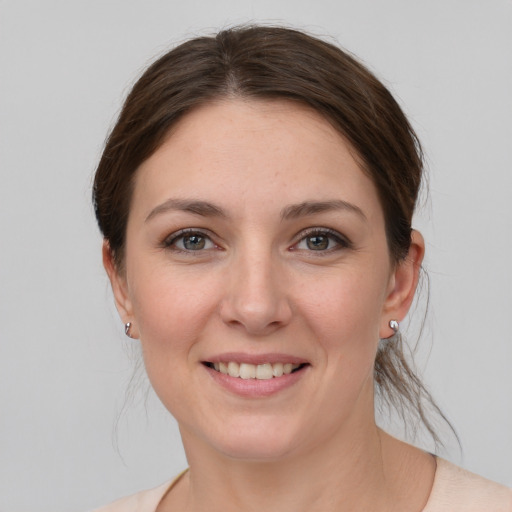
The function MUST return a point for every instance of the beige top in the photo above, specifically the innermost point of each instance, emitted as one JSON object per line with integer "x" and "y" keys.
{"x": 454, "y": 490}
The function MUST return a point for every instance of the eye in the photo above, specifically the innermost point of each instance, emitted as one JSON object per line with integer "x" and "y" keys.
{"x": 322, "y": 240}
{"x": 189, "y": 240}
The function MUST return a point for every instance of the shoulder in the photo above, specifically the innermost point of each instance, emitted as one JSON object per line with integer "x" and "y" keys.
{"x": 458, "y": 490}
{"x": 145, "y": 501}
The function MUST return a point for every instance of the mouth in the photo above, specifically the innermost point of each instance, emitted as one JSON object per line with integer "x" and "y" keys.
{"x": 246, "y": 371}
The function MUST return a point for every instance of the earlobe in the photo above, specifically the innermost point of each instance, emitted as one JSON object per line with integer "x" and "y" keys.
{"x": 119, "y": 286}
{"x": 403, "y": 285}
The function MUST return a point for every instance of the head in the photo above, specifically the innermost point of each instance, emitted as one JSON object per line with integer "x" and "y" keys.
{"x": 260, "y": 68}
{"x": 263, "y": 63}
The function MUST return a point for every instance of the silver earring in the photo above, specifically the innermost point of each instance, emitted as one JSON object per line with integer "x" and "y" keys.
{"x": 394, "y": 325}
{"x": 127, "y": 327}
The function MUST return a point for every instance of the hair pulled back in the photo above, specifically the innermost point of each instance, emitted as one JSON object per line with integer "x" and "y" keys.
{"x": 262, "y": 62}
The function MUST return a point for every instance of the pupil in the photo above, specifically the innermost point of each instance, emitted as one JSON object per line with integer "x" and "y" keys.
{"x": 194, "y": 242}
{"x": 318, "y": 242}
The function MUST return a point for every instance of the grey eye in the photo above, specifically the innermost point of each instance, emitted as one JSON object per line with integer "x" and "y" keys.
{"x": 322, "y": 240}
{"x": 193, "y": 242}
{"x": 189, "y": 242}
{"x": 317, "y": 242}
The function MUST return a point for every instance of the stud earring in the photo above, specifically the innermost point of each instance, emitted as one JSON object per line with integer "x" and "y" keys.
{"x": 395, "y": 326}
{"x": 127, "y": 327}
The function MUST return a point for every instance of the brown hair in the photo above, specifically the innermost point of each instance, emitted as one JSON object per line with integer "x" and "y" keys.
{"x": 275, "y": 63}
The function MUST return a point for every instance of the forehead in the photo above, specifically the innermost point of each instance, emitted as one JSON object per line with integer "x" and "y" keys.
{"x": 248, "y": 153}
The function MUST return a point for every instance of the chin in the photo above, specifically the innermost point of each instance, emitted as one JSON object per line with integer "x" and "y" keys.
{"x": 251, "y": 440}
{"x": 256, "y": 450}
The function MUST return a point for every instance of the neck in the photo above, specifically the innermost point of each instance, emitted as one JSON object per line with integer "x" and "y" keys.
{"x": 357, "y": 467}
{"x": 338, "y": 476}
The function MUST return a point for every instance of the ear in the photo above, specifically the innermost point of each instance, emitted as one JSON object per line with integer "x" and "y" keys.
{"x": 119, "y": 288}
{"x": 402, "y": 285}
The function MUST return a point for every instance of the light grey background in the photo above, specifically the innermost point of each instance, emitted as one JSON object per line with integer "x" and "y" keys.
{"x": 64, "y": 362}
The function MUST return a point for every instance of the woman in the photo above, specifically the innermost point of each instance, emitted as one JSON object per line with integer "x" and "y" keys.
{"x": 256, "y": 197}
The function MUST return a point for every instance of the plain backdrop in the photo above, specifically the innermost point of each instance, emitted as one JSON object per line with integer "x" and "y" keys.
{"x": 64, "y": 361}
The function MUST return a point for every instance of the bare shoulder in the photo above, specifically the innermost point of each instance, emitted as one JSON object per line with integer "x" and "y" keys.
{"x": 458, "y": 490}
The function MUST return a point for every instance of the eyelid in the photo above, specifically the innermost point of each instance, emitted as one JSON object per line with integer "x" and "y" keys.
{"x": 171, "y": 239}
{"x": 342, "y": 240}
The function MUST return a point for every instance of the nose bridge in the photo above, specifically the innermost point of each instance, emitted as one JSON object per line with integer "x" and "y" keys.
{"x": 256, "y": 297}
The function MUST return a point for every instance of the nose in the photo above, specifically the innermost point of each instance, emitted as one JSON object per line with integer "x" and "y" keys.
{"x": 256, "y": 295}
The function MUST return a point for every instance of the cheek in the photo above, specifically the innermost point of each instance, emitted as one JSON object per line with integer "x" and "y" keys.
{"x": 346, "y": 308}
{"x": 171, "y": 308}
{"x": 171, "y": 311}
{"x": 344, "y": 316}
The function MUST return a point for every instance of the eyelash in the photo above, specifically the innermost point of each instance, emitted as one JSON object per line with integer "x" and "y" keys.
{"x": 170, "y": 241}
{"x": 340, "y": 241}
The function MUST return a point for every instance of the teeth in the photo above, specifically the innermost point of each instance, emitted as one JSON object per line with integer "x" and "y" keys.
{"x": 247, "y": 371}
{"x": 252, "y": 371}
{"x": 233, "y": 369}
{"x": 264, "y": 371}
{"x": 277, "y": 369}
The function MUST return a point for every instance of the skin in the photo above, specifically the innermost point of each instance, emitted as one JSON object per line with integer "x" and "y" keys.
{"x": 255, "y": 283}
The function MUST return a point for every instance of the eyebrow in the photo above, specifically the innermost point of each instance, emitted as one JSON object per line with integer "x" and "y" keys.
{"x": 202, "y": 208}
{"x": 313, "y": 207}
{"x": 293, "y": 211}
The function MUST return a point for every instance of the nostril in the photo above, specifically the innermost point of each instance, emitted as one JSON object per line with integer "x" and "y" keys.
{"x": 256, "y": 319}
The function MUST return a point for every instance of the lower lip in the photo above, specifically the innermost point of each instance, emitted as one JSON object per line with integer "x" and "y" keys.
{"x": 256, "y": 388}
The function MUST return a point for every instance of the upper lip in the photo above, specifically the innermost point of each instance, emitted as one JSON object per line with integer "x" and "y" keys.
{"x": 242, "y": 357}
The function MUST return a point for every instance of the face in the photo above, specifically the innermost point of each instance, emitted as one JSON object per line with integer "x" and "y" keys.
{"x": 258, "y": 279}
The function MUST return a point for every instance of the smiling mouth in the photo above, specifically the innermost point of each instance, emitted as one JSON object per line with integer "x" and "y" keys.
{"x": 246, "y": 371}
